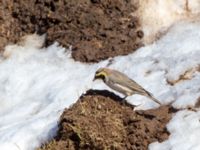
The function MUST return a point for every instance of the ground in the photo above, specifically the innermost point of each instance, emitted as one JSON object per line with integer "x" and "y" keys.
{"x": 100, "y": 120}
{"x": 96, "y": 30}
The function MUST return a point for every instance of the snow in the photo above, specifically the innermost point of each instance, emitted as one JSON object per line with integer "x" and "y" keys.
{"x": 184, "y": 128}
{"x": 158, "y": 15}
{"x": 36, "y": 84}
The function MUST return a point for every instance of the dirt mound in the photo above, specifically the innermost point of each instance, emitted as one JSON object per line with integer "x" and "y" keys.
{"x": 96, "y": 29}
{"x": 100, "y": 121}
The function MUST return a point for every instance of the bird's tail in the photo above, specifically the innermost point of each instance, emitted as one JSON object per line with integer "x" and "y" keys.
{"x": 153, "y": 98}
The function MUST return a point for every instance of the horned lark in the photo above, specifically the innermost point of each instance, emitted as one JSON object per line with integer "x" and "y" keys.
{"x": 122, "y": 83}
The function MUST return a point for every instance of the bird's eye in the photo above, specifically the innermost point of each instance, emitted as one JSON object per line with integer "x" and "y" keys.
{"x": 102, "y": 77}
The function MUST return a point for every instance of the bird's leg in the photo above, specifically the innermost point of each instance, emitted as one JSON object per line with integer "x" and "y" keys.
{"x": 125, "y": 103}
{"x": 124, "y": 100}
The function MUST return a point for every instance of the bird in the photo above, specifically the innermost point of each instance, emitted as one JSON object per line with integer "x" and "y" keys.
{"x": 122, "y": 83}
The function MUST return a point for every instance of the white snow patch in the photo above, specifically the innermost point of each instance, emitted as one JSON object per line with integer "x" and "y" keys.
{"x": 158, "y": 15}
{"x": 36, "y": 84}
{"x": 185, "y": 131}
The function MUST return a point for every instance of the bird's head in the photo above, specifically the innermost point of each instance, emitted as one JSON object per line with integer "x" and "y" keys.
{"x": 101, "y": 73}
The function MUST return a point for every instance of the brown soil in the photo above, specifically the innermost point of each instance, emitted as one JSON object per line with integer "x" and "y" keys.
{"x": 96, "y": 29}
{"x": 99, "y": 121}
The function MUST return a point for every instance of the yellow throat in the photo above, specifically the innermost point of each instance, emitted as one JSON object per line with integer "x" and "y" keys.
{"x": 102, "y": 73}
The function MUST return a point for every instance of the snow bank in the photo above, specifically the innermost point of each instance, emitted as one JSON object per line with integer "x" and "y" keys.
{"x": 158, "y": 15}
{"x": 185, "y": 131}
{"x": 35, "y": 86}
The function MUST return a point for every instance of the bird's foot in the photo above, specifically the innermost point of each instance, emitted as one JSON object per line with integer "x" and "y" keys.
{"x": 124, "y": 102}
{"x": 124, "y": 98}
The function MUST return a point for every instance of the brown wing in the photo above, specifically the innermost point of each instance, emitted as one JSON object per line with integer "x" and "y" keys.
{"x": 129, "y": 83}
{"x": 124, "y": 80}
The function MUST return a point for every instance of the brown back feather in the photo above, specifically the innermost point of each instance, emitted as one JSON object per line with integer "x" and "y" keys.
{"x": 124, "y": 80}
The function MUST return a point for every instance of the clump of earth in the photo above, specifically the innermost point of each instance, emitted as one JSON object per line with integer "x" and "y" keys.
{"x": 99, "y": 120}
{"x": 96, "y": 29}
